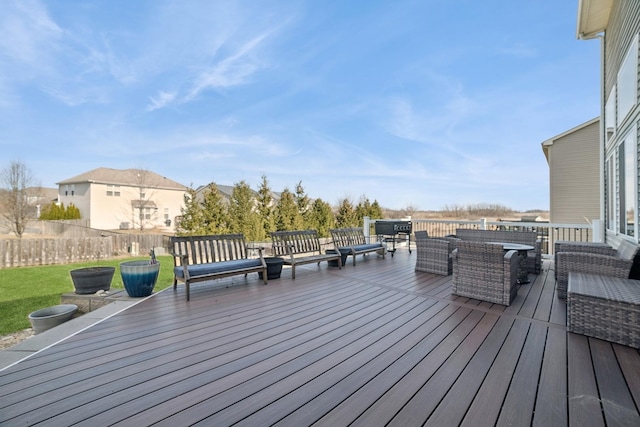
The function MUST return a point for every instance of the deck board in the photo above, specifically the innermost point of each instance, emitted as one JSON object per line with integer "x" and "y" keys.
{"x": 370, "y": 345}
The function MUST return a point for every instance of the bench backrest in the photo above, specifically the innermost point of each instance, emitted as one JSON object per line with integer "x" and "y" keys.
{"x": 521, "y": 237}
{"x": 298, "y": 241}
{"x": 345, "y": 237}
{"x": 208, "y": 249}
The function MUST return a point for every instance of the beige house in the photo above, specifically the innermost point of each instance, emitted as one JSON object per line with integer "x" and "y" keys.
{"x": 616, "y": 24}
{"x": 574, "y": 174}
{"x": 123, "y": 199}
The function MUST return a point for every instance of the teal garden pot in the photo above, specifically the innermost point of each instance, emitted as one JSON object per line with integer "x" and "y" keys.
{"x": 139, "y": 277}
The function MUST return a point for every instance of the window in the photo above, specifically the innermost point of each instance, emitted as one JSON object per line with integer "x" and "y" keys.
{"x": 611, "y": 193}
{"x": 628, "y": 82}
{"x": 610, "y": 115}
{"x": 113, "y": 190}
{"x": 621, "y": 186}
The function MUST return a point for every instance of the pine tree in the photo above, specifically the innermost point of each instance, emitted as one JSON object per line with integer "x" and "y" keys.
{"x": 214, "y": 212}
{"x": 287, "y": 215}
{"x": 303, "y": 204}
{"x": 242, "y": 217}
{"x": 346, "y": 214}
{"x": 265, "y": 207}
{"x": 321, "y": 217}
{"x": 191, "y": 215}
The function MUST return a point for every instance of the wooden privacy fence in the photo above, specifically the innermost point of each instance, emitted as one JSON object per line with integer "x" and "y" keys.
{"x": 30, "y": 252}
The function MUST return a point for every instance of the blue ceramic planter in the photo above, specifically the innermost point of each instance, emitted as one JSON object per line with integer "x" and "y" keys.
{"x": 139, "y": 277}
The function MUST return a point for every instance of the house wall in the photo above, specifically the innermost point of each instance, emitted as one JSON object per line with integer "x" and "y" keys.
{"x": 107, "y": 210}
{"x": 623, "y": 27}
{"x": 77, "y": 194}
{"x": 574, "y": 165}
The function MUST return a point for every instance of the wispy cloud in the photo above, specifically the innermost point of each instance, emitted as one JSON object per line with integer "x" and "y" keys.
{"x": 161, "y": 100}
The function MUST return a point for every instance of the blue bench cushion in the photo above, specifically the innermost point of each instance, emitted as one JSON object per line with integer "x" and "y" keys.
{"x": 364, "y": 247}
{"x": 217, "y": 267}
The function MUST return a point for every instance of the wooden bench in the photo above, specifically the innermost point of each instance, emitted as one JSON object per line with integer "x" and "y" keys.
{"x": 202, "y": 258}
{"x": 300, "y": 247}
{"x": 351, "y": 241}
{"x": 604, "y": 307}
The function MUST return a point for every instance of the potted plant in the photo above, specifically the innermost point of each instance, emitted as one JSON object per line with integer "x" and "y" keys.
{"x": 139, "y": 277}
{"x": 89, "y": 280}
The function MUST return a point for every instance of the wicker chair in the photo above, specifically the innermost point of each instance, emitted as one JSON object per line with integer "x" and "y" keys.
{"x": 590, "y": 247}
{"x": 434, "y": 254}
{"x": 614, "y": 264}
{"x": 486, "y": 272}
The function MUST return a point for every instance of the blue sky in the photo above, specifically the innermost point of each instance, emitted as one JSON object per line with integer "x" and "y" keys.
{"x": 412, "y": 103}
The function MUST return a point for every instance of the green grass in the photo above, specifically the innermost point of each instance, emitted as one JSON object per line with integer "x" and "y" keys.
{"x": 27, "y": 289}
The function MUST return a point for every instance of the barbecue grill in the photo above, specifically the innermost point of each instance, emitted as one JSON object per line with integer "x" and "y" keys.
{"x": 390, "y": 230}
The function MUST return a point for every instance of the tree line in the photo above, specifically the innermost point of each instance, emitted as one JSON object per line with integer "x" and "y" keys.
{"x": 256, "y": 214}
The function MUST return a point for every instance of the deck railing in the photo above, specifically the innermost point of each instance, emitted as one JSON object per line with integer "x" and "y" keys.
{"x": 547, "y": 232}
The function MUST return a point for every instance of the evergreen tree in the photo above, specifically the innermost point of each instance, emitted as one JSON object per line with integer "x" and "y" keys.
{"x": 54, "y": 211}
{"x": 321, "y": 217}
{"x": 287, "y": 215}
{"x": 214, "y": 212}
{"x": 346, "y": 214}
{"x": 366, "y": 208}
{"x": 265, "y": 207}
{"x": 303, "y": 204}
{"x": 242, "y": 217}
{"x": 191, "y": 215}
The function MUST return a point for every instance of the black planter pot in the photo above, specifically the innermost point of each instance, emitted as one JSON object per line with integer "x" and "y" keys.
{"x": 333, "y": 262}
{"x": 89, "y": 280}
{"x": 274, "y": 267}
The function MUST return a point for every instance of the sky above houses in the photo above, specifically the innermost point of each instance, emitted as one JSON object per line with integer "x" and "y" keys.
{"x": 421, "y": 103}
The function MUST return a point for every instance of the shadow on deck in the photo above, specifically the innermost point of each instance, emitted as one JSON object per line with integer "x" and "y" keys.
{"x": 374, "y": 344}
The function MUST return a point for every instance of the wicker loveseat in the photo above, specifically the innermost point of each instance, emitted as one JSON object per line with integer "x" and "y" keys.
{"x": 530, "y": 238}
{"x": 485, "y": 271}
{"x": 434, "y": 255}
{"x": 617, "y": 263}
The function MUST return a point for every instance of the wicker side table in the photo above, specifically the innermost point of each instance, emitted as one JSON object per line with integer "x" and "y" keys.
{"x": 604, "y": 307}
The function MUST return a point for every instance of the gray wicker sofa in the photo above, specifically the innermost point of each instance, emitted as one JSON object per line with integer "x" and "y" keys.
{"x": 606, "y": 262}
{"x": 604, "y": 307}
{"x": 530, "y": 238}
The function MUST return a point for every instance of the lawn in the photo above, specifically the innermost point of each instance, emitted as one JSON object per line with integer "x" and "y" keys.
{"x": 26, "y": 289}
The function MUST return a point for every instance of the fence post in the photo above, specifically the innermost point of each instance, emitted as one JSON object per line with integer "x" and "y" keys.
{"x": 483, "y": 223}
{"x": 366, "y": 228}
{"x": 596, "y": 231}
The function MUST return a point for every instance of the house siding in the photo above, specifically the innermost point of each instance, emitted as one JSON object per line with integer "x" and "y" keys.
{"x": 574, "y": 164}
{"x": 622, "y": 28}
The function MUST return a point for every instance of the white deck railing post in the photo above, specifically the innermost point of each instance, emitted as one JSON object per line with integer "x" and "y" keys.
{"x": 366, "y": 229}
{"x": 596, "y": 231}
{"x": 483, "y": 223}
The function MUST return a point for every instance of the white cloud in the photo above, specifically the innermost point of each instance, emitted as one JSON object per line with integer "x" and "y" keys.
{"x": 162, "y": 100}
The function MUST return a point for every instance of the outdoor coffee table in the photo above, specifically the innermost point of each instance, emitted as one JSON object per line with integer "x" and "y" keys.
{"x": 523, "y": 273}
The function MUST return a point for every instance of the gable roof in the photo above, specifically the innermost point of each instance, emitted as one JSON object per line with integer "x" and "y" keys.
{"x": 593, "y": 17}
{"x": 549, "y": 142}
{"x": 130, "y": 177}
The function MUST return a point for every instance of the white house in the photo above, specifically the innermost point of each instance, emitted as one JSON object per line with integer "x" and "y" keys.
{"x": 121, "y": 199}
{"x": 617, "y": 25}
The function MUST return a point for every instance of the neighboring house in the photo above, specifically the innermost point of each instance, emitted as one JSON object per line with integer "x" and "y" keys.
{"x": 121, "y": 199}
{"x": 617, "y": 25}
{"x": 574, "y": 174}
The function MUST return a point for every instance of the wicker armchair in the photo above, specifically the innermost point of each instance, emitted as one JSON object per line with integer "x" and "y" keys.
{"x": 434, "y": 254}
{"x": 590, "y": 247}
{"x": 486, "y": 272}
{"x": 615, "y": 264}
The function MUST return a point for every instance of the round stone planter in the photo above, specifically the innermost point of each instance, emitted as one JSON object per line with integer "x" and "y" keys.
{"x": 47, "y": 318}
{"x": 89, "y": 280}
{"x": 139, "y": 277}
{"x": 274, "y": 267}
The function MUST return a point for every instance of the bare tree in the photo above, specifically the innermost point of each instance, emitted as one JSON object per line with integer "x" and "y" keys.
{"x": 18, "y": 200}
{"x": 143, "y": 204}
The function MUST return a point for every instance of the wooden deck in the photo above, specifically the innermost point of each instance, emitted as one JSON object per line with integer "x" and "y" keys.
{"x": 371, "y": 345}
